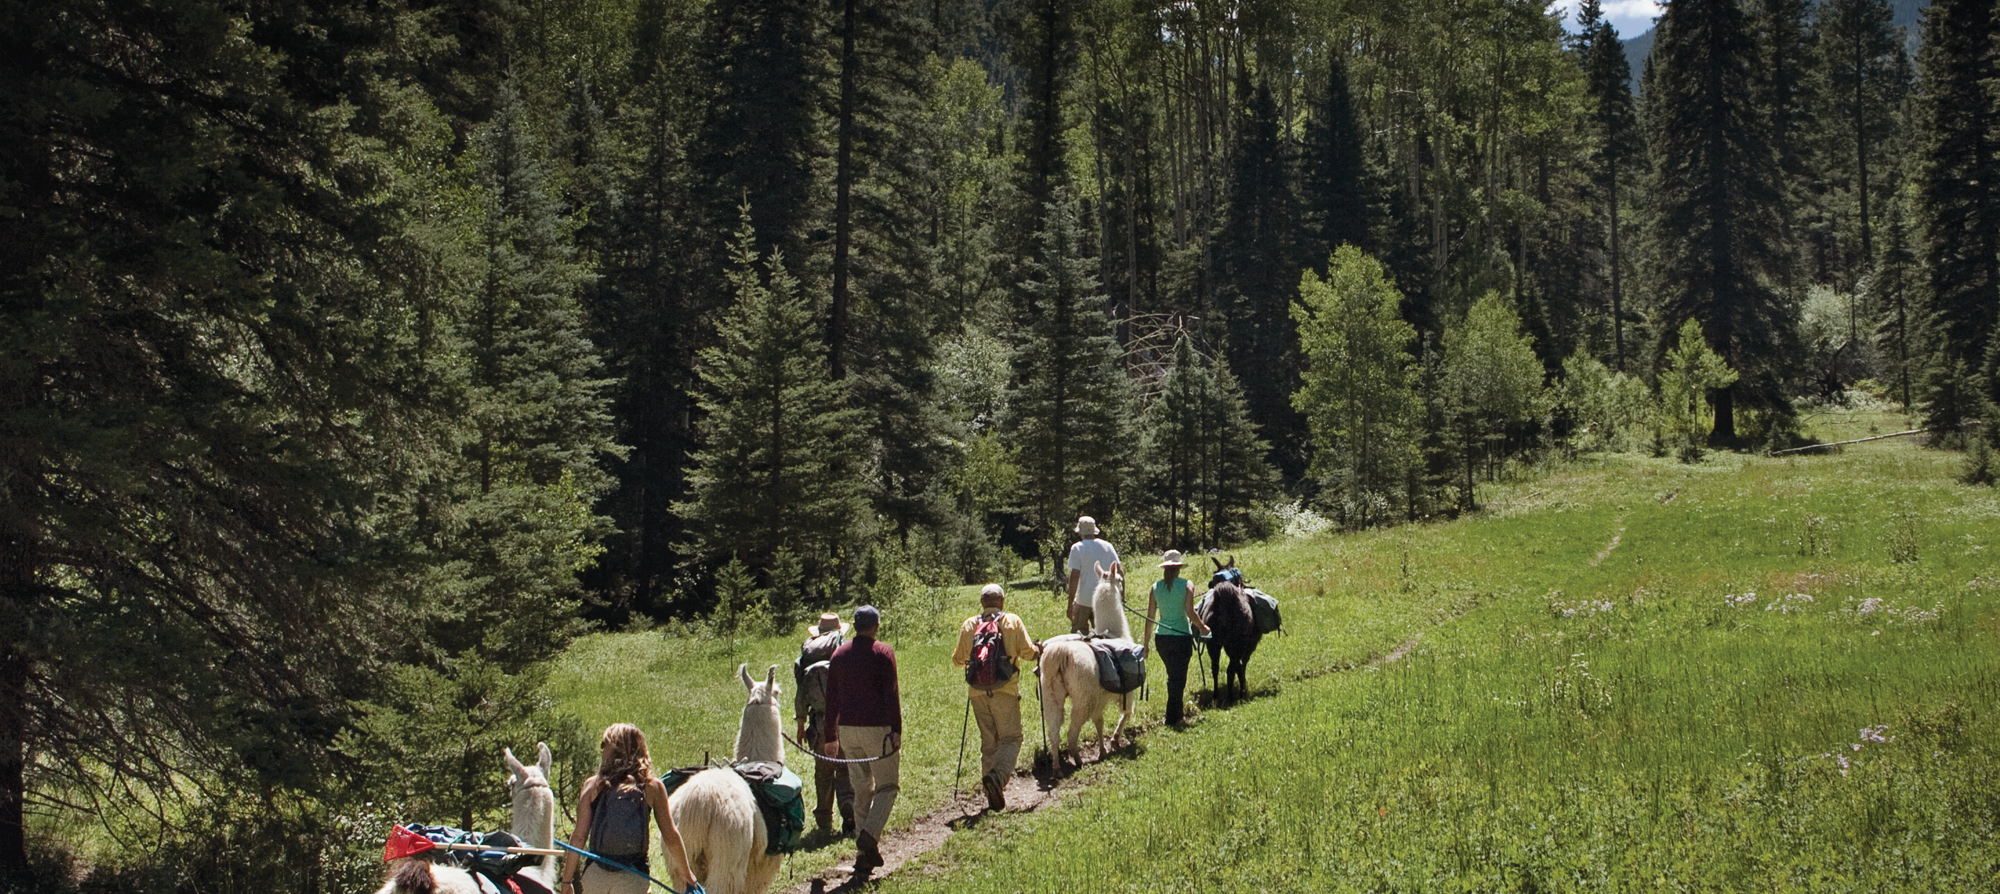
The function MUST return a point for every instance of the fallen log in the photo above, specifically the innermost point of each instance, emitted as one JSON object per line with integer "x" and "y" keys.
{"x": 1914, "y": 431}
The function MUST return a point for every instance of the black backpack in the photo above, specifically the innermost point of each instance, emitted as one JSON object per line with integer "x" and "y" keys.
{"x": 989, "y": 667}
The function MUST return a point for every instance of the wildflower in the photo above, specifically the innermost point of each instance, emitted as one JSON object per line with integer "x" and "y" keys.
{"x": 1870, "y": 605}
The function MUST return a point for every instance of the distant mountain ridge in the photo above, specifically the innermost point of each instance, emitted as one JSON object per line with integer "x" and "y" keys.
{"x": 1906, "y": 14}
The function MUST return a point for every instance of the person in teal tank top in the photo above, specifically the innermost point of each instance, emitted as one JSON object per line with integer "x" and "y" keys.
{"x": 1171, "y": 609}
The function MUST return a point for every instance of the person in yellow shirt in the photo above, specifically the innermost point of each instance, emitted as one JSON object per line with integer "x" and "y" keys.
{"x": 991, "y": 646}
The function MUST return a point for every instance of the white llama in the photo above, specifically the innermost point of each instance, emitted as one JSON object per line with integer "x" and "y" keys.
{"x": 534, "y": 824}
{"x": 1068, "y": 669}
{"x": 720, "y": 826}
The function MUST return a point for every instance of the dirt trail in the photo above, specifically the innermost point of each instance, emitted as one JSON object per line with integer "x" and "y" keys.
{"x": 1026, "y": 792}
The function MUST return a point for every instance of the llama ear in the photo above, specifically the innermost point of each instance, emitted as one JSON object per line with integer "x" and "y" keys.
{"x": 771, "y": 679}
{"x": 544, "y": 759}
{"x": 743, "y": 670}
{"x": 1232, "y": 561}
{"x": 1218, "y": 562}
{"x": 514, "y": 764}
{"x": 1101, "y": 572}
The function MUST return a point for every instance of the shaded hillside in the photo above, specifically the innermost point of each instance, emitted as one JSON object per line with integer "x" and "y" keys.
{"x": 1637, "y": 48}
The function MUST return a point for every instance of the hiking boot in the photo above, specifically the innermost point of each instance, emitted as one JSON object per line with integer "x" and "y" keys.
{"x": 867, "y": 854}
{"x": 996, "y": 798}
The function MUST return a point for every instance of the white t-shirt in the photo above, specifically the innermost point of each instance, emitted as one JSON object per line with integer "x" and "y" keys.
{"x": 1085, "y": 556}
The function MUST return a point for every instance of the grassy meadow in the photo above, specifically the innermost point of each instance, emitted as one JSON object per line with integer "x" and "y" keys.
{"x": 1629, "y": 673}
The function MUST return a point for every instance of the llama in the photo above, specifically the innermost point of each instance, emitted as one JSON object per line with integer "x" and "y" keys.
{"x": 1068, "y": 669}
{"x": 1233, "y": 631}
{"x": 721, "y": 828}
{"x": 534, "y": 824}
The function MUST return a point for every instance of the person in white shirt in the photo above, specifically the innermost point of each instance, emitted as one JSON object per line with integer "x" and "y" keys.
{"x": 1084, "y": 559}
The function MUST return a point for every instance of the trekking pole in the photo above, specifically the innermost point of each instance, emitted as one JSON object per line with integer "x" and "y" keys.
{"x": 959, "y": 775}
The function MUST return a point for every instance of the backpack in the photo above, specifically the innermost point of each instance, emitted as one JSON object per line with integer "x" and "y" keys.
{"x": 1264, "y": 611}
{"x": 781, "y": 798}
{"x": 989, "y": 667}
{"x": 780, "y": 795}
{"x": 810, "y": 670}
{"x": 618, "y": 819}
{"x": 1121, "y": 664}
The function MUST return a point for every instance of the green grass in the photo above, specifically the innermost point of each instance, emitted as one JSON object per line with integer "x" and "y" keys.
{"x": 1566, "y": 722}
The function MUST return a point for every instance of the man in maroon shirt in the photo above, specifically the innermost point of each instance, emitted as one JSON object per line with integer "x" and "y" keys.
{"x": 864, "y": 714}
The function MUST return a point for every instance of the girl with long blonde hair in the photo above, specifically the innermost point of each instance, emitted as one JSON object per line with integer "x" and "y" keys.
{"x": 611, "y": 816}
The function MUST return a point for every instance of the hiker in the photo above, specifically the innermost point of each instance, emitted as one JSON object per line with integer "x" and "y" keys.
{"x": 1084, "y": 557}
{"x": 809, "y": 708}
{"x": 611, "y": 819}
{"x": 1171, "y": 609}
{"x": 864, "y": 720}
{"x": 994, "y": 682}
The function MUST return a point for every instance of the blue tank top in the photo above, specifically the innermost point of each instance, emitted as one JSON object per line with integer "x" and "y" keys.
{"x": 1172, "y": 601}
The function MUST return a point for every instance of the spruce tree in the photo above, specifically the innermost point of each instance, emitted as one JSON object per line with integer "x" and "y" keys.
{"x": 1201, "y": 461}
{"x": 1257, "y": 264}
{"x": 1069, "y": 405}
{"x": 1608, "y": 78}
{"x": 1780, "y": 85}
{"x": 222, "y": 318}
{"x": 777, "y": 468}
{"x": 1901, "y": 318}
{"x": 1958, "y": 172}
{"x": 760, "y": 87}
{"x": 1862, "y": 85}
{"x": 517, "y": 521}
{"x": 1718, "y": 197}
{"x": 1359, "y": 389}
{"x": 650, "y": 313}
{"x": 1338, "y": 203}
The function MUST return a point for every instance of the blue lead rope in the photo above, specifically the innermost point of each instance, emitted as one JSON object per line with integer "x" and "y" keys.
{"x": 693, "y": 887}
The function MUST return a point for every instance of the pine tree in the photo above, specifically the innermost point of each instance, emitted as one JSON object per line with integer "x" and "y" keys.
{"x": 763, "y": 68}
{"x": 1338, "y": 203}
{"x": 778, "y": 466}
{"x": 1719, "y": 223}
{"x": 1779, "y": 90}
{"x": 1901, "y": 317}
{"x": 1359, "y": 391}
{"x": 1042, "y": 45}
{"x": 1201, "y": 460}
{"x": 1069, "y": 405}
{"x": 1857, "y": 47}
{"x": 650, "y": 313}
{"x": 1257, "y": 264}
{"x": 222, "y": 321}
{"x": 1958, "y": 172}
{"x": 1608, "y": 76}
{"x": 516, "y": 521}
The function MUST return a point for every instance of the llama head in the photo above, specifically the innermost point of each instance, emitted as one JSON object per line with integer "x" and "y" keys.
{"x": 759, "y": 737}
{"x": 523, "y": 777}
{"x": 761, "y": 693}
{"x": 1108, "y": 603}
{"x": 534, "y": 802}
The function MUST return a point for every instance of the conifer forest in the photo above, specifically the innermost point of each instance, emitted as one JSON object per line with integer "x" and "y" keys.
{"x": 358, "y": 355}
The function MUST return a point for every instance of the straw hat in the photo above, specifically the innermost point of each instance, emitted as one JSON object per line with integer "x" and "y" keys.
{"x": 1172, "y": 559}
{"x": 828, "y": 622}
{"x": 1086, "y": 526}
